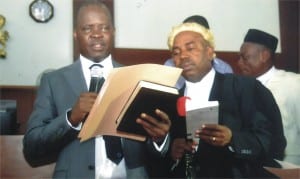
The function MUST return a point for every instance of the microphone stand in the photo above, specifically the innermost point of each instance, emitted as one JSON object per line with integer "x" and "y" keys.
{"x": 188, "y": 156}
{"x": 189, "y": 168}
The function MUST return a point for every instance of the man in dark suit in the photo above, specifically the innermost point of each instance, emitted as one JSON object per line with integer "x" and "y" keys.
{"x": 63, "y": 103}
{"x": 239, "y": 145}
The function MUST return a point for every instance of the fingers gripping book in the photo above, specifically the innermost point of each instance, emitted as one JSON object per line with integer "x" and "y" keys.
{"x": 118, "y": 89}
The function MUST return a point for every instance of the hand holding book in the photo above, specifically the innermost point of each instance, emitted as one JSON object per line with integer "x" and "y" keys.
{"x": 146, "y": 98}
{"x": 157, "y": 129}
{"x": 115, "y": 94}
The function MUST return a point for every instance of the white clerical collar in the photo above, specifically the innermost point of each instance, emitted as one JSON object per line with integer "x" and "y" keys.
{"x": 207, "y": 80}
{"x": 199, "y": 92}
{"x": 264, "y": 78}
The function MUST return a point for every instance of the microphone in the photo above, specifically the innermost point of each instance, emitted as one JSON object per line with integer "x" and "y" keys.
{"x": 97, "y": 78}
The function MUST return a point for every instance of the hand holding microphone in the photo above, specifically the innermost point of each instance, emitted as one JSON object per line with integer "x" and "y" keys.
{"x": 97, "y": 78}
{"x": 85, "y": 101}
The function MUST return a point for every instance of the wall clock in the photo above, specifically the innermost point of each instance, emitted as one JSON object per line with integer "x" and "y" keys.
{"x": 41, "y": 10}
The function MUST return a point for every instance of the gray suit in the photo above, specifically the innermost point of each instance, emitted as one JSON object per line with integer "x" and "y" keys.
{"x": 50, "y": 139}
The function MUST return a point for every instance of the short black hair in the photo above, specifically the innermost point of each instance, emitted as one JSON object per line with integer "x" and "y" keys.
{"x": 197, "y": 19}
{"x": 84, "y": 3}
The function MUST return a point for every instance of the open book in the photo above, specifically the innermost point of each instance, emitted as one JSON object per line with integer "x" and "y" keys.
{"x": 195, "y": 118}
{"x": 116, "y": 91}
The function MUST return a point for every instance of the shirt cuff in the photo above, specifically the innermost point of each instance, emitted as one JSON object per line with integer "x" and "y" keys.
{"x": 161, "y": 146}
{"x": 78, "y": 127}
{"x": 231, "y": 148}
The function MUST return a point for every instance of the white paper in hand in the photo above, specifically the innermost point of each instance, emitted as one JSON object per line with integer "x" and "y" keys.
{"x": 195, "y": 118}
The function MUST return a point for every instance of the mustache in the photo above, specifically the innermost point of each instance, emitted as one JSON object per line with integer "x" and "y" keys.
{"x": 97, "y": 41}
{"x": 185, "y": 62}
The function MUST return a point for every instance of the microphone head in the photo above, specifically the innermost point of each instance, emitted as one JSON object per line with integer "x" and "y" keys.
{"x": 97, "y": 78}
{"x": 96, "y": 71}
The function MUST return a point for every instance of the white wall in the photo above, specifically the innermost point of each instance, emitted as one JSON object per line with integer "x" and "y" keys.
{"x": 35, "y": 47}
{"x": 147, "y": 23}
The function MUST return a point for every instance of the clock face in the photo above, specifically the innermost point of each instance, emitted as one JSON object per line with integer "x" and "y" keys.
{"x": 41, "y": 10}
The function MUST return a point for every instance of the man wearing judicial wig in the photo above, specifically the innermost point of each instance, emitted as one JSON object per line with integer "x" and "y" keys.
{"x": 257, "y": 60}
{"x": 217, "y": 63}
{"x": 239, "y": 145}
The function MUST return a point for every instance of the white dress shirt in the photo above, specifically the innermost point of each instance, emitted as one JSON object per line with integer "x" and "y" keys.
{"x": 199, "y": 92}
{"x": 104, "y": 168}
{"x": 264, "y": 78}
{"x": 285, "y": 87}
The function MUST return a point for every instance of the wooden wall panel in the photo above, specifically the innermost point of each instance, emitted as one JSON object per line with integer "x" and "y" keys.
{"x": 137, "y": 56}
{"x": 289, "y": 14}
{"x": 13, "y": 164}
{"x": 25, "y": 96}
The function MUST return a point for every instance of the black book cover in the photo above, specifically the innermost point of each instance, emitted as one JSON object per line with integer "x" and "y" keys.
{"x": 146, "y": 101}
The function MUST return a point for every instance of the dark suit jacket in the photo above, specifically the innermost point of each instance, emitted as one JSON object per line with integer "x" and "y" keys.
{"x": 250, "y": 111}
{"x": 50, "y": 139}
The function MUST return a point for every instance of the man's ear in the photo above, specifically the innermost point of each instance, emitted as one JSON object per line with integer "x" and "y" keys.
{"x": 265, "y": 56}
{"x": 211, "y": 52}
{"x": 74, "y": 35}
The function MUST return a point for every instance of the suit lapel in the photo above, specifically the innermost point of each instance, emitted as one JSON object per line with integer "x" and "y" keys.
{"x": 74, "y": 76}
{"x": 216, "y": 92}
{"x": 116, "y": 64}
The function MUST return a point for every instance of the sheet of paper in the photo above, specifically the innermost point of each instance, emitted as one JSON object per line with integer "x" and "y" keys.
{"x": 204, "y": 115}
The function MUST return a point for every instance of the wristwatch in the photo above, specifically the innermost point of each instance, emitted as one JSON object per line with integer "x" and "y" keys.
{"x": 41, "y": 10}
